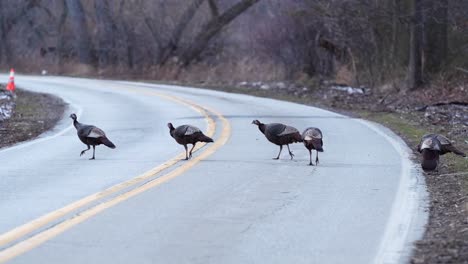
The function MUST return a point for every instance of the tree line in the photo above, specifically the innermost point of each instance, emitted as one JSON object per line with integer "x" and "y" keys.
{"x": 360, "y": 42}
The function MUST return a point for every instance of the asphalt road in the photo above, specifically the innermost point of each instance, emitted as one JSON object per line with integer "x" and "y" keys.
{"x": 231, "y": 204}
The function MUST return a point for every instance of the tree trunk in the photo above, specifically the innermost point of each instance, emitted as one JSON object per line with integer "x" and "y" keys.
{"x": 395, "y": 29}
{"x": 171, "y": 48}
{"x": 436, "y": 35}
{"x": 61, "y": 38}
{"x": 212, "y": 28}
{"x": 7, "y": 22}
{"x": 78, "y": 21}
{"x": 105, "y": 33}
{"x": 129, "y": 38}
{"x": 3, "y": 44}
{"x": 213, "y": 8}
{"x": 415, "y": 70}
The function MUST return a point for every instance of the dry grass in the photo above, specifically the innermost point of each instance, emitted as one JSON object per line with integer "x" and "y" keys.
{"x": 246, "y": 69}
{"x": 345, "y": 76}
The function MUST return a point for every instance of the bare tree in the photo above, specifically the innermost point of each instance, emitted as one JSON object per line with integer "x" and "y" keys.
{"x": 415, "y": 69}
{"x": 4, "y": 48}
{"x": 170, "y": 49}
{"x": 213, "y": 27}
{"x": 436, "y": 24}
{"x": 105, "y": 33}
{"x": 373, "y": 41}
{"x": 80, "y": 28}
{"x": 8, "y": 19}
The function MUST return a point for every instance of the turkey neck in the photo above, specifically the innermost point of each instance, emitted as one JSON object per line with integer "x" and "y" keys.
{"x": 430, "y": 154}
{"x": 262, "y": 128}
{"x": 171, "y": 131}
{"x": 76, "y": 124}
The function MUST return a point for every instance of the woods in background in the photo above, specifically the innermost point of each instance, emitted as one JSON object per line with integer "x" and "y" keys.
{"x": 357, "y": 42}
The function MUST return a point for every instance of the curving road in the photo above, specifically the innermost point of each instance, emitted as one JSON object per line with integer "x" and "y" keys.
{"x": 231, "y": 204}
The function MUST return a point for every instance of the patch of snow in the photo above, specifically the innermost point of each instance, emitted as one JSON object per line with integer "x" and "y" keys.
{"x": 348, "y": 89}
{"x": 6, "y": 111}
{"x": 257, "y": 84}
{"x": 265, "y": 87}
{"x": 6, "y": 105}
{"x": 281, "y": 85}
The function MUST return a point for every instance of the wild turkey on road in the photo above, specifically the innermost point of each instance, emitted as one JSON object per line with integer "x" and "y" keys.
{"x": 312, "y": 138}
{"x": 90, "y": 136}
{"x": 279, "y": 134}
{"x": 187, "y": 134}
{"x": 432, "y": 146}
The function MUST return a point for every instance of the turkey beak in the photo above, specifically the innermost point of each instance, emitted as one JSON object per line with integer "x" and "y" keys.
{"x": 253, "y": 122}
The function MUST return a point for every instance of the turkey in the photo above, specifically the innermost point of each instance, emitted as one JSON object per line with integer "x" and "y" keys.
{"x": 312, "y": 138}
{"x": 279, "y": 134}
{"x": 187, "y": 134}
{"x": 91, "y": 136}
{"x": 432, "y": 146}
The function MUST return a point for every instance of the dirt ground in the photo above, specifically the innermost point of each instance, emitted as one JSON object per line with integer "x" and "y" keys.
{"x": 34, "y": 114}
{"x": 415, "y": 114}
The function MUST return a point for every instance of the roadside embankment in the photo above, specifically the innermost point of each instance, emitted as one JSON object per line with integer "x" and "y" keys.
{"x": 26, "y": 115}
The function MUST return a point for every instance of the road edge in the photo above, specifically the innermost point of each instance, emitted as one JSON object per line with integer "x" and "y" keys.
{"x": 59, "y": 129}
{"x": 408, "y": 216}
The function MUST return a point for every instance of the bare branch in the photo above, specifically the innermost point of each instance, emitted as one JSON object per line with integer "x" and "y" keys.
{"x": 213, "y": 8}
{"x": 214, "y": 27}
{"x": 462, "y": 70}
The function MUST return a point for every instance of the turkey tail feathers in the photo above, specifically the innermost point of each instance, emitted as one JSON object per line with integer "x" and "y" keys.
{"x": 456, "y": 151}
{"x": 206, "y": 139}
{"x": 107, "y": 142}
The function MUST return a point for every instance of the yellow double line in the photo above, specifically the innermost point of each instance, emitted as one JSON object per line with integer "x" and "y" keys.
{"x": 144, "y": 179}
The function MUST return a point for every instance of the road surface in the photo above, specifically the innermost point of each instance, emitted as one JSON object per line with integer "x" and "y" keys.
{"x": 139, "y": 203}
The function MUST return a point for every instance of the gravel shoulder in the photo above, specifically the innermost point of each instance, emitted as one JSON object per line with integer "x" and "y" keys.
{"x": 34, "y": 114}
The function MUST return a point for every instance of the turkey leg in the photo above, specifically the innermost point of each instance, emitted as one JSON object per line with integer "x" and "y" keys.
{"x": 186, "y": 155}
{"x": 310, "y": 158}
{"x": 83, "y": 152}
{"x": 190, "y": 153}
{"x": 281, "y": 148}
{"x": 290, "y": 153}
{"x": 94, "y": 150}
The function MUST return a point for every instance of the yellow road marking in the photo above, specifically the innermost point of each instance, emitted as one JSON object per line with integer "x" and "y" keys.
{"x": 41, "y": 221}
{"x": 40, "y": 238}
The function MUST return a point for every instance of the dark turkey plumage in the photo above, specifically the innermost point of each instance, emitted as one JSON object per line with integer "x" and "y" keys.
{"x": 187, "y": 134}
{"x": 279, "y": 134}
{"x": 432, "y": 146}
{"x": 90, "y": 136}
{"x": 312, "y": 138}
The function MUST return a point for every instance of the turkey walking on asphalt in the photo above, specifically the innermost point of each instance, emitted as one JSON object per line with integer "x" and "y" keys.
{"x": 312, "y": 138}
{"x": 187, "y": 134}
{"x": 280, "y": 135}
{"x": 90, "y": 136}
{"x": 432, "y": 146}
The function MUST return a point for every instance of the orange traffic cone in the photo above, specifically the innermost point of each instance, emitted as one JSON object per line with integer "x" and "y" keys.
{"x": 11, "y": 82}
